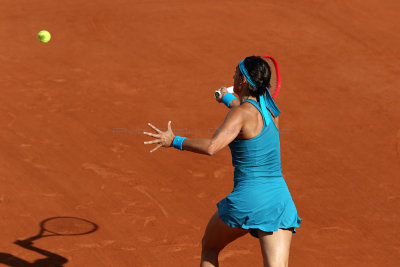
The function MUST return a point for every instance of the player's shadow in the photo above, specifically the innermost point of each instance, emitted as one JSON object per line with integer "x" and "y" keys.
{"x": 51, "y": 259}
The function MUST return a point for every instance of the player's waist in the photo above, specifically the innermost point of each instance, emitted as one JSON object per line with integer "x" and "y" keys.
{"x": 258, "y": 171}
{"x": 260, "y": 179}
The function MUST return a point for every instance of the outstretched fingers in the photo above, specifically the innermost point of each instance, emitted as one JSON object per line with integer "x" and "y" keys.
{"x": 152, "y": 142}
{"x": 151, "y": 134}
{"x": 157, "y": 147}
{"x": 161, "y": 138}
{"x": 154, "y": 128}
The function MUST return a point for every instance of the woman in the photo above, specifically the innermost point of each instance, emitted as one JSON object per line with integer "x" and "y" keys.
{"x": 260, "y": 203}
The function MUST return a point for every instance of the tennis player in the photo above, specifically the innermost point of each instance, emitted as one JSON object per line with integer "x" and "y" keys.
{"x": 260, "y": 203}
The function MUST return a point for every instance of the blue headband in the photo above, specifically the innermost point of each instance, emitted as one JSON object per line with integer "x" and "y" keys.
{"x": 266, "y": 101}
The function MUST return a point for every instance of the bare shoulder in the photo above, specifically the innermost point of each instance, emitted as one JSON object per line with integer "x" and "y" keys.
{"x": 243, "y": 112}
{"x": 237, "y": 111}
{"x": 234, "y": 116}
{"x": 246, "y": 109}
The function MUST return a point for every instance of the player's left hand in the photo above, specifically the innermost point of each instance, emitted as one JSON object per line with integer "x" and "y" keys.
{"x": 162, "y": 139}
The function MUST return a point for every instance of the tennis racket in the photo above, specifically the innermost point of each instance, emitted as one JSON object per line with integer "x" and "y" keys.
{"x": 62, "y": 226}
{"x": 275, "y": 78}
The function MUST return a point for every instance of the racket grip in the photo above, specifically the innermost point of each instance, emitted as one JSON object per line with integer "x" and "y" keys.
{"x": 218, "y": 93}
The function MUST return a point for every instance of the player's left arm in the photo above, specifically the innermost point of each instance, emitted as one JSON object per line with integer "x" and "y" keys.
{"x": 225, "y": 134}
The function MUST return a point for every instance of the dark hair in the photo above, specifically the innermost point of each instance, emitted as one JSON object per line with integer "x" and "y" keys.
{"x": 260, "y": 73}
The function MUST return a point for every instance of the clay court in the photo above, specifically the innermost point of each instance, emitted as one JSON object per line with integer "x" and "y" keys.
{"x": 72, "y": 113}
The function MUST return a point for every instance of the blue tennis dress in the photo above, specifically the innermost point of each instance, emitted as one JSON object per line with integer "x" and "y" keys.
{"x": 260, "y": 198}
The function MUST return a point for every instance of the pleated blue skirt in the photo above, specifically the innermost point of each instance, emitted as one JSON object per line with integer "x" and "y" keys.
{"x": 259, "y": 203}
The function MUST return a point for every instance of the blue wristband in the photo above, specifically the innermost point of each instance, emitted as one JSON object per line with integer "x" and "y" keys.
{"x": 177, "y": 142}
{"x": 227, "y": 99}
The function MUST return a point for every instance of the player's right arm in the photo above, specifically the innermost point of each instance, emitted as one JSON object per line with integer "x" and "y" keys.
{"x": 224, "y": 91}
{"x": 234, "y": 103}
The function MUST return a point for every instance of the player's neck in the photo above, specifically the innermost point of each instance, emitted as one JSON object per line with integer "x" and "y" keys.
{"x": 246, "y": 97}
{"x": 244, "y": 94}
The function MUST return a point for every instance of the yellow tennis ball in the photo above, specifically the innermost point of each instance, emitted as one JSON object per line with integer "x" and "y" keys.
{"x": 44, "y": 36}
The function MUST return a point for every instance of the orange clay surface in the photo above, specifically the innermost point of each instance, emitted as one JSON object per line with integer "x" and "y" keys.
{"x": 72, "y": 112}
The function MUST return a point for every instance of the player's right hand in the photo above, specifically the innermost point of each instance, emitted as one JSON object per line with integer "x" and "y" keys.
{"x": 223, "y": 92}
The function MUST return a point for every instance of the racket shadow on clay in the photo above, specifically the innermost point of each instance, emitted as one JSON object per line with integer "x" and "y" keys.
{"x": 50, "y": 227}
